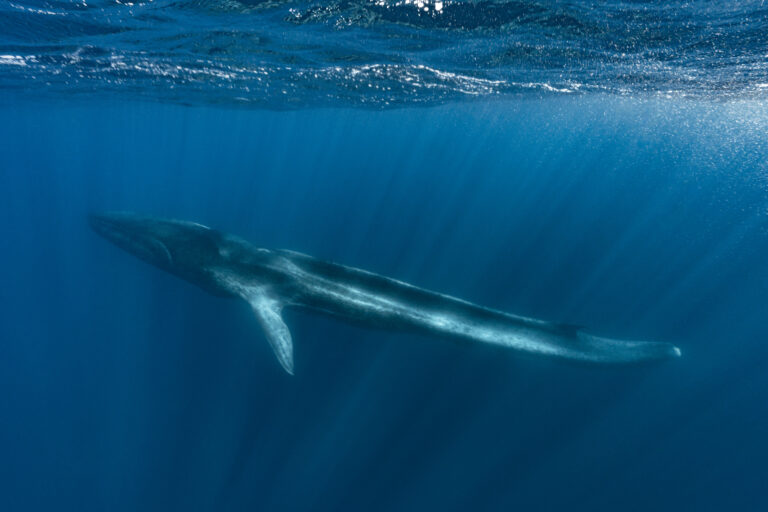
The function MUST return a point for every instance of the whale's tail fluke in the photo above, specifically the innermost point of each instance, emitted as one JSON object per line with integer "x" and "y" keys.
{"x": 608, "y": 350}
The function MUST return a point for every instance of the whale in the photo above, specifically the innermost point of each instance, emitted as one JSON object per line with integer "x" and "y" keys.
{"x": 271, "y": 280}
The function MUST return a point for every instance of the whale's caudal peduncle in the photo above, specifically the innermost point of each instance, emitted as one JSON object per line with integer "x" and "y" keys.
{"x": 270, "y": 280}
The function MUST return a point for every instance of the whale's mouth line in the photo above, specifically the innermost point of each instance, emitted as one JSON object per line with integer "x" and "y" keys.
{"x": 120, "y": 233}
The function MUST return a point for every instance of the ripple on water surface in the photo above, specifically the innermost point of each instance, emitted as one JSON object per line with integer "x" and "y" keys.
{"x": 283, "y": 53}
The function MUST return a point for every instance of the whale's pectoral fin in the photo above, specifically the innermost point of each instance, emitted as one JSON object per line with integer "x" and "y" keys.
{"x": 267, "y": 311}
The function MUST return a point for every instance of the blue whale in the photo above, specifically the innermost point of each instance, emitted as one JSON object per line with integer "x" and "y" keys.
{"x": 270, "y": 280}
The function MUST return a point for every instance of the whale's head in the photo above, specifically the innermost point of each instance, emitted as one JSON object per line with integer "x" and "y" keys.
{"x": 187, "y": 249}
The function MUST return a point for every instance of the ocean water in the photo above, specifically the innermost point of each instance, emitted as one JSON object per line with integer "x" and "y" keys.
{"x": 600, "y": 164}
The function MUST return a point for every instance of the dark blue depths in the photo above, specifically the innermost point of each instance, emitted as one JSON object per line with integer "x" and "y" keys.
{"x": 124, "y": 388}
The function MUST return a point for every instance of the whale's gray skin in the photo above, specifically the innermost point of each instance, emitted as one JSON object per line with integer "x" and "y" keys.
{"x": 270, "y": 280}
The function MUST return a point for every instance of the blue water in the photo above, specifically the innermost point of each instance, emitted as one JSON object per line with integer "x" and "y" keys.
{"x": 604, "y": 165}
{"x": 377, "y": 53}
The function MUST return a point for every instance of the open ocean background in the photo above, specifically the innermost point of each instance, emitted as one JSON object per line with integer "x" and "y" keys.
{"x": 596, "y": 163}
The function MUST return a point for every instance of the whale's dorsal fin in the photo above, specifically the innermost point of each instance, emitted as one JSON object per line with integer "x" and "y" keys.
{"x": 571, "y": 329}
{"x": 267, "y": 310}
